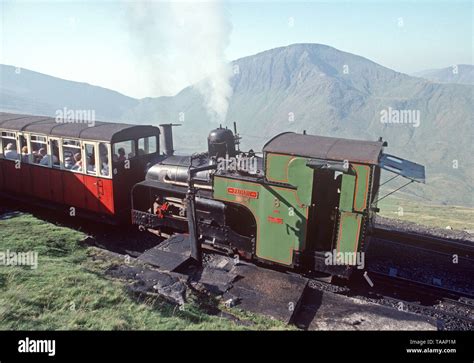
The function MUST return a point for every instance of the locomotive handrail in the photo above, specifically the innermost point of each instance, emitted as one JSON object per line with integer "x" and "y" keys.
{"x": 342, "y": 166}
{"x": 195, "y": 243}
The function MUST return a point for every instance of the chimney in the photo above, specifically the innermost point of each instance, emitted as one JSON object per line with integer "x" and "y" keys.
{"x": 167, "y": 138}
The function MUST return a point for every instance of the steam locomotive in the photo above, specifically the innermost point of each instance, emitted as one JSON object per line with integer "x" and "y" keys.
{"x": 302, "y": 201}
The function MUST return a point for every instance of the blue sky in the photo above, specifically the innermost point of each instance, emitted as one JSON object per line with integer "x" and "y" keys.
{"x": 90, "y": 41}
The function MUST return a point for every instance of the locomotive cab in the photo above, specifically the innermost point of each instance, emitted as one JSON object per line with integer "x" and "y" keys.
{"x": 316, "y": 202}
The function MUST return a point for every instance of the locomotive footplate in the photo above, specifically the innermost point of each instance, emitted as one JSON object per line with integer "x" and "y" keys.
{"x": 240, "y": 284}
{"x": 268, "y": 292}
{"x": 169, "y": 254}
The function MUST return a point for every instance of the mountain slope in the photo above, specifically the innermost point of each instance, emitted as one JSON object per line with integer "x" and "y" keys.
{"x": 328, "y": 92}
{"x": 461, "y": 74}
{"x": 25, "y": 91}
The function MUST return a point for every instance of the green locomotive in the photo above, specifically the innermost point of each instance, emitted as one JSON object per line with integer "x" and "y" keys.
{"x": 307, "y": 203}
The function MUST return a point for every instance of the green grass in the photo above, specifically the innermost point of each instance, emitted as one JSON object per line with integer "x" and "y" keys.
{"x": 70, "y": 291}
{"x": 441, "y": 216}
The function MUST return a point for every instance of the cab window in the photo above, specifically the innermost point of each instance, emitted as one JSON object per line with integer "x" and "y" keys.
{"x": 147, "y": 145}
{"x": 123, "y": 150}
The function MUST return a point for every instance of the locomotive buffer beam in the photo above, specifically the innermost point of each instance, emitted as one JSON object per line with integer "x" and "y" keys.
{"x": 195, "y": 243}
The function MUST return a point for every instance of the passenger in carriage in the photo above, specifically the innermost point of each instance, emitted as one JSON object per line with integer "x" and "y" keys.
{"x": 68, "y": 159}
{"x": 10, "y": 151}
{"x": 121, "y": 156}
{"x": 78, "y": 165}
{"x": 103, "y": 150}
{"x": 68, "y": 162}
{"x": 24, "y": 154}
{"x": 91, "y": 164}
{"x": 103, "y": 160}
{"x": 38, "y": 155}
{"x": 105, "y": 166}
{"x": 46, "y": 158}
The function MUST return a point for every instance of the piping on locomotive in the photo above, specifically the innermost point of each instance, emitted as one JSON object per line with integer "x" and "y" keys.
{"x": 306, "y": 198}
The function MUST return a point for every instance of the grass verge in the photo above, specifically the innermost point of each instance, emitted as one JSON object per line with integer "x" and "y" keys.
{"x": 70, "y": 291}
{"x": 440, "y": 216}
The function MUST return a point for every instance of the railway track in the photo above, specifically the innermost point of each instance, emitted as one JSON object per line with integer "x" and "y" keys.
{"x": 449, "y": 313}
{"x": 420, "y": 288}
{"x": 432, "y": 243}
{"x": 416, "y": 271}
{"x": 435, "y": 265}
{"x": 453, "y": 310}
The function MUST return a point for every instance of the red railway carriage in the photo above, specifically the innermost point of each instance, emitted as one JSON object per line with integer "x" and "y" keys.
{"x": 86, "y": 168}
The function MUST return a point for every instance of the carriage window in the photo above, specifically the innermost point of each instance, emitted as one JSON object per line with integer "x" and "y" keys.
{"x": 24, "y": 150}
{"x": 104, "y": 159}
{"x": 146, "y": 145}
{"x": 39, "y": 150}
{"x": 9, "y": 145}
{"x": 55, "y": 153}
{"x": 72, "y": 155}
{"x": 123, "y": 150}
{"x": 90, "y": 159}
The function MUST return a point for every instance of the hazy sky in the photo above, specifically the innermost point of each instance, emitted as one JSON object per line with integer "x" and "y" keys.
{"x": 94, "y": 42}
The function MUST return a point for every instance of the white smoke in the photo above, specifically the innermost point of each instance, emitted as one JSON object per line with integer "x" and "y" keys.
{"x": 180, "y": 44}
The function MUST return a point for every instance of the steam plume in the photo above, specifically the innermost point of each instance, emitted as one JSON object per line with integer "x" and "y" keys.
{"x": 181, "y": 44}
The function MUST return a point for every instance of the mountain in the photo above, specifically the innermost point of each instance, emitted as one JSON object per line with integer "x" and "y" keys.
{"x": 461, "y": 74}
{"x": 329, "y": 92}
{"x": 25, "y": 91}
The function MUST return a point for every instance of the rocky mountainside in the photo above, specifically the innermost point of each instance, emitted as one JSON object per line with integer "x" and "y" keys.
{"x": 25, "y": 91}
{"x": 461, "y": 74}
{"x": 325, "y": 91}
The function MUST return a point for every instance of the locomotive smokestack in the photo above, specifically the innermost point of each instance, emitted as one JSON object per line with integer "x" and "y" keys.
{"x": 167, "y": 138}
{"x": 221, "y": 142}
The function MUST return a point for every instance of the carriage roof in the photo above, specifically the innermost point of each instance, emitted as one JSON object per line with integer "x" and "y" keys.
{"x": 98, "y": 131}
